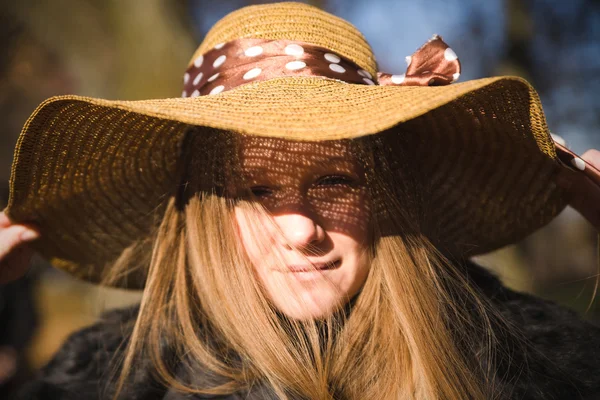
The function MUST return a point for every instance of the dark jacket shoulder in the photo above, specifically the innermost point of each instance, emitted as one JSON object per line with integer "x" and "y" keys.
{"x": 562, "y": 359}
{"x": 87, "y": 361}
{"x": 562, "y": 362}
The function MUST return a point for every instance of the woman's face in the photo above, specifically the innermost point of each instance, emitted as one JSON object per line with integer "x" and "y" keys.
{"x": 314, "y": 257}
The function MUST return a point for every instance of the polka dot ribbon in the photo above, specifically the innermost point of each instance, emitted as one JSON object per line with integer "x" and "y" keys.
{"x": 229, "y": 65}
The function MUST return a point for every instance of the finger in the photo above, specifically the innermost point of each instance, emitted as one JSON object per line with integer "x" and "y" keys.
{"x": 13, "y": 236}
{"x": 4, "y": 221}
{"x": 587, "y": 208}
{"x": 593, "y": 157}
{"x": 581, "y": 193}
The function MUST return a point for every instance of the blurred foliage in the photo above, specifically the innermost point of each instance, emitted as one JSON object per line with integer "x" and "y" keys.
{"x": 101, "y": 48}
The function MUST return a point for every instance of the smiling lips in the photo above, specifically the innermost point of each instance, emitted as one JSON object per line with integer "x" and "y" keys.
{"x": 313, "y": 267}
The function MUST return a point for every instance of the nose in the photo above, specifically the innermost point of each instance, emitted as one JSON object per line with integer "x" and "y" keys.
{"x": 300, "y": 230}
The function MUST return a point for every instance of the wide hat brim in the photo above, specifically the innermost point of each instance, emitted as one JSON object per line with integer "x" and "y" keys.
{"x": 94, "y": 173}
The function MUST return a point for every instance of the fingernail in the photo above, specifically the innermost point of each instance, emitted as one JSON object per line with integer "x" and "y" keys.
{"x": 29, "y": 235}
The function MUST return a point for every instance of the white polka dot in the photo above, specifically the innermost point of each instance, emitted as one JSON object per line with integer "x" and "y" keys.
{"x": 365, "y": 74}
{"x": 450, "y": 55}
{"x": 195, "y": 93}
{"x": 368, "y": 81}
{"x": 294, "y": 50}
{"x": 217, "y": 89}
{"x": 337, "y": 68}
{"x": 332, "y": 58}
{"x": 184, "y": 94}
{"x": 253, "y": 73}
{"x": 294, "y": 65}
{"x": 578, "y": 163}
{"x": 197, "y": 79}
{"x": 219, "y": 61}
{"x": 253, "y": 51}
{"x": 186, "y": 78}
{"x": 455, "y": 76}
{"x": 198, "y": 61}
{"x": 219, "y": 46}
{"x": 558, "y": 139}
{"x": 212, "y": 78}
{"x": 408, "y": 60}
{"x": 398, "y": 79}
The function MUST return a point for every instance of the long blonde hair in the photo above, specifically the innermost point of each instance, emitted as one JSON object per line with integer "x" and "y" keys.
{"x": 417, "y": 330}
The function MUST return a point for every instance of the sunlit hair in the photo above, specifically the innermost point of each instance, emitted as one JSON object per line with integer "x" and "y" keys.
{"x": 417, "y": 330}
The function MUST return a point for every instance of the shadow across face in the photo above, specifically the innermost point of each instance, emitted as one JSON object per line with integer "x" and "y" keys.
{"x": 312, "y": 186}
{"x": 350, "y": 186}
{"x": 306, "y": 214}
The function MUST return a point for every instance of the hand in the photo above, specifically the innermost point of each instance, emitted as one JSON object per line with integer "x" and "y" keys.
{"x": 15, "y": 253}
{"x": 583, "y": 193}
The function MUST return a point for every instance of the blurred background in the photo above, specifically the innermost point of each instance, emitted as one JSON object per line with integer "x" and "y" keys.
{"x": 138, "y": 49}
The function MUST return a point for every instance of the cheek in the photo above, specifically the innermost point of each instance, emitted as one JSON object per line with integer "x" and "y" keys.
{"x": 255, "y": 242}
{"x": 350, "y": 216}
{"x": 362, "y": 230}
{"x": 245, "y": 234}
{"x": 356, "y": 261}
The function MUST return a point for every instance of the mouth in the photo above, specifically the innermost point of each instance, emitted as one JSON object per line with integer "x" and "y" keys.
{"x": 313, "y": 267}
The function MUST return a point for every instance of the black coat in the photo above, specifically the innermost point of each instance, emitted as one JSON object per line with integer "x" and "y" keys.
{"x": 567, "y": 365}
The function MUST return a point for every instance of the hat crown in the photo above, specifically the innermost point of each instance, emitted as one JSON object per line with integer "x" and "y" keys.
{"x": 292, "y": 21}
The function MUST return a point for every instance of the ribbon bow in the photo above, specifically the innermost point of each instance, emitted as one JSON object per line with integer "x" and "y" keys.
{"x": 434, "y": 64}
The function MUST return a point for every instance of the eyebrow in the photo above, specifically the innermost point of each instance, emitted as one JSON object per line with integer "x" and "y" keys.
{"x": 329, "y": 161}
{"x": 259, "y": 172}
{"x": 321, "y": 163}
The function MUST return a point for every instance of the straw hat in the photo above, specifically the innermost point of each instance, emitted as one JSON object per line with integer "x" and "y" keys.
{"x": 93, "y": 173}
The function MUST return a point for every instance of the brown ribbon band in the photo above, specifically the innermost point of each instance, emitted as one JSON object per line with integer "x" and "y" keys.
{"x": 229, "y": 65}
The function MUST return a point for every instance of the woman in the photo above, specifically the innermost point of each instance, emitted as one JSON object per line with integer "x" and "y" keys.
{"x": 301, "y": 225}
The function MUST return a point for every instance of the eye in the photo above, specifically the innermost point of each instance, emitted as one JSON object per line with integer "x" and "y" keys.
{"x": 261, "y": 191}
{"x": 335, "y": 180}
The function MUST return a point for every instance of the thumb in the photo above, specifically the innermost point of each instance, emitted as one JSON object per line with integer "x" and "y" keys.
{"x": 15, "y": 254}
{"x": 593, "y": 157}
{"x": 14, "y": 236}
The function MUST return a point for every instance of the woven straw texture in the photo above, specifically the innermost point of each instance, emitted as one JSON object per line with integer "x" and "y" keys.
{"x": 95, "y": 174}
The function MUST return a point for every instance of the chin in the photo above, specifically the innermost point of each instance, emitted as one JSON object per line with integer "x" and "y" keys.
{"x": 310, "y": 304}
{"x": 306, "y": 297}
